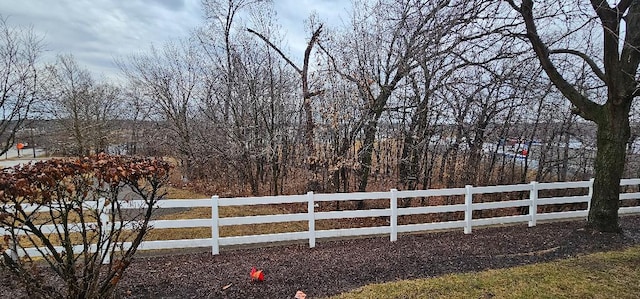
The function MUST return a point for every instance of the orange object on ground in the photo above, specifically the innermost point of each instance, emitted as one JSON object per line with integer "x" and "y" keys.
{"x": 256, "y": 275}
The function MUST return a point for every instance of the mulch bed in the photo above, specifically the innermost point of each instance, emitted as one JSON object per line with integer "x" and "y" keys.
{"x": 338, "y": 266}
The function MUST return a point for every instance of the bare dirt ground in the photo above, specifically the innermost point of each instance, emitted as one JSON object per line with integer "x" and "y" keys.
{"x": 338, "y": 266}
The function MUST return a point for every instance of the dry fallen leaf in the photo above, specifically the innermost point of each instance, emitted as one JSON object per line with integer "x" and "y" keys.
{"x": 226, "y": 287}
{"x": 300, "y": 295}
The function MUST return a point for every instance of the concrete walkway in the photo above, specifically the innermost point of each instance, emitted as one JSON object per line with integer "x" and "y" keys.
{"x": 10, "y": 158}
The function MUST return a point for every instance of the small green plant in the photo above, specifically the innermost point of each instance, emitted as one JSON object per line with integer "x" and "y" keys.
{"x": 66, "y": 219}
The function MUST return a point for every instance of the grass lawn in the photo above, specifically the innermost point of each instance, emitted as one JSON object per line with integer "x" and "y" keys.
{"x": 602, "y": 275}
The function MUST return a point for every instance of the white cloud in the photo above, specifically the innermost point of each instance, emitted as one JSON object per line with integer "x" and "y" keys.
{"x": 96, "y": 31}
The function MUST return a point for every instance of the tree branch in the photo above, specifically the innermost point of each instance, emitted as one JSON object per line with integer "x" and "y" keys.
{"x": 305, "y": 65}
{"x": 589, "y": 109}
{"x": 630, "y": 55}
{"x": 513, "y": 5}
{"x": 335, "y": 65}
{"x": 623, "y": 5}
{"x": 307, "y": 51}
{"x": 610, "y": 21}
{"x": 314, "y": 93}
{"x": 276, "y": 49}
{"x": 587, "y": 59}
{"x": 600, "y": 5}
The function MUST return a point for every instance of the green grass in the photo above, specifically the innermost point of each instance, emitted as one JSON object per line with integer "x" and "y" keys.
{"x": 613, "y": 274}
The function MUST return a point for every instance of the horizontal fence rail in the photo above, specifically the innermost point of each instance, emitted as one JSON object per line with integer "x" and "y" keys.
{"x": 393, "y": 212}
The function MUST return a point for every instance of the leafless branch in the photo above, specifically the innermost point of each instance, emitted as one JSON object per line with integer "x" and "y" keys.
{"x": 266, "y": 40}
{"x": 585, "y": 57}
{"x": 590, "y": 109}
{"x": 513, "y": 4}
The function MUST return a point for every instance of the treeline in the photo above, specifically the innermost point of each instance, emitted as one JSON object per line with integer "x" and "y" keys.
{"x": 404, "y": 94}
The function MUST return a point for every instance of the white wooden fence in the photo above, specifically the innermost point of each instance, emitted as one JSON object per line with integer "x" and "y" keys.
{"x": 393, "y": 212}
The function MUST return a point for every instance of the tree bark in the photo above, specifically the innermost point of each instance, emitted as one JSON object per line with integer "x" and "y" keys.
{"x": 366, "y": 151}
{"x": 612, "y": 136}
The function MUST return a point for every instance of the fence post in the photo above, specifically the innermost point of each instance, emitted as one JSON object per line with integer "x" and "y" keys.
{"x": 312, "y": 219}
{"x": 533, "y": 206}
{"x": 12, "y": 250}
{"x": 394, "y": 215}
{"x": 215, "y": 232}
{"x": 590, "y": 196}
{"x": 468, "y": 211}
{"x": 104, "y": 222}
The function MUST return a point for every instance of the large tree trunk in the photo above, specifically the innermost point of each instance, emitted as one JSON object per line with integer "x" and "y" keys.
{"x": 613, "y": 134}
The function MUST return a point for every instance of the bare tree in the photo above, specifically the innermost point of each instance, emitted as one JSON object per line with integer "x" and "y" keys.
{"x": 307, "y": 95}
{"x": 169, "y": 78}
{"x": 86, "y": 109}
{"x": 19, "y": 50}
{"x": 246, "y": 113}
{"x": 619, "y": 27}
{"x": 223, "y": 14}
{"x": 139, "y": 112}
{"x": 386, "y": 43}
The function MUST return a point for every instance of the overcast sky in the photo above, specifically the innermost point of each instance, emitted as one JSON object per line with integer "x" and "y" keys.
{"x": 96, "y": 31}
